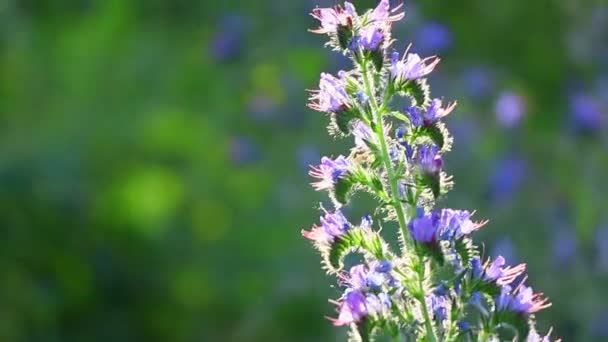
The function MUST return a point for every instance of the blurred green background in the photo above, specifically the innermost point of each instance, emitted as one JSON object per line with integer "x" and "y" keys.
{"x": 153, "y": 160}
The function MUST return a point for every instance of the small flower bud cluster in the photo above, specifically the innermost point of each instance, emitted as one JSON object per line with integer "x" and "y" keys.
{"x": 436, "y": 287}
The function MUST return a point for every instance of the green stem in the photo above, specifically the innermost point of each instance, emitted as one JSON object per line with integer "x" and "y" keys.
{"x": 430, "y": 333}
{"x": 377, "y": 116}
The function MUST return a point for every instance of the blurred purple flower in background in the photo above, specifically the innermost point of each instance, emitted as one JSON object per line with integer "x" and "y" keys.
{"x": 504, "y": 248}
{"x": 478, "y": 82}
{"x": 507, "y": 177}
{"x": 243, "y": 151}
{"x": 564, "y": 247}
{"x": 599, "y": 326}
{"x": 432, "y": 38}
{"x": 226, "y": 44}
{"x": 601, "y": 240}
{"x": 510, "y": 109}
{"x": 307, "y": 155}
{"x": 586, "y": 113}
{"x": 262, "y": 108}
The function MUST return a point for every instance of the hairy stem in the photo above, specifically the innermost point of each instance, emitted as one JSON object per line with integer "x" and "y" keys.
{"x": 430, "y": 333}
{"x": 392, "y": 179}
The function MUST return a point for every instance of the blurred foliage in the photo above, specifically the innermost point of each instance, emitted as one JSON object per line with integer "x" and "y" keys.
{"x": 153, "y": 159}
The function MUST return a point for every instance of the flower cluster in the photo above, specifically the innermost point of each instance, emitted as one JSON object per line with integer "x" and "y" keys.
{"x": 436, "y": 287}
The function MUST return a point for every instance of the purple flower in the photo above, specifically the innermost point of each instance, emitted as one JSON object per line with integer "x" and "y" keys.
{"x": 436, "y": 112}
{"x": 369, "y": 38}
{"x": 411, "y": 67}
{"x": 533, "y": 336}
{"x": 332, "y": 226}
{"x": 494, "y": 271}
{"x": 378, "y": 305}
{"x": 438, "y": 305}
{"x": 457, "y": 223}
{"x": 358, "y": 277}
{"x": 424, "y": 227}
{"x": 382, "y": 12}
{"x": 352, "y": 309}
{"x": 334, "y": 18}
{"x": 362, "y": 134}
{"x": 510, "y": 108}
{"x": 504, "y": 299}
{"x": 329, "y": 172}
{"x": 463, "y": 326}
{"x": 476, "y": 268}
{"x": 383, "y": 266}
{"x": 366, "y": 222}
{"x": 331, "y": 96}
{"x": 433, "y": 38}
{"x": 586, "y": 113}
{"x": 429, "y": 159}
{"x": 521, "y": 301}
{"x": 497, "y": 272}
{"x": 476, "y": 299}
{"x": 375, "y": 280}
{"x": 415, "y": 116}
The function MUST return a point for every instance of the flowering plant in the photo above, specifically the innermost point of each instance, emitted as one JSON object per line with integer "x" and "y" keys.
{"x": 436, "y": 287}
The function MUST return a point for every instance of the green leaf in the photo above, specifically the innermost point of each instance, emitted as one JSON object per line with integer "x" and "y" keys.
{"x": 377, "y": 58}
{"x": 514, "y": 323}
{"x": 466, "y": 250}
{"x": 437, "y": 134}
{"x": 344, "y": 245}
{"x": 342, "y": 190}
{"x": 418, "y": 91}
{"x": 432, "y": 182}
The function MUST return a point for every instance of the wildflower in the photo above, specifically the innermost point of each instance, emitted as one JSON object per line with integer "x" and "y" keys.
{"x": 429, "y": 159}
{"x": 463, "y": 325}
{"x": 363, "y": 134}
{"x": 496, "y": 271}
{"x": 329, "y": 172}
{"x": 521, "y": 301}
{"x": 366, "y": 222}
{"x": 424, "y": 227}
{"x": 382, "y": 12}
{"x": 436, "y": 111}
{"x": 370, "y": 38}
{"x": 476, "y": 268}
{"x": 378, "y": 305}
{"x": 383, "y": 266}
{"x": 331, "y": 96}
{"x": 438, "y": 305}
{"x": 510, "y": 108}
{"x": 332, "y": 226}
{"x": 352, "y": 309}
{"x": 457, "y": 223}
{"x": 411, "y": 67}
{"x": 534, "y": 336}
{"x": 333, "y": 19}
